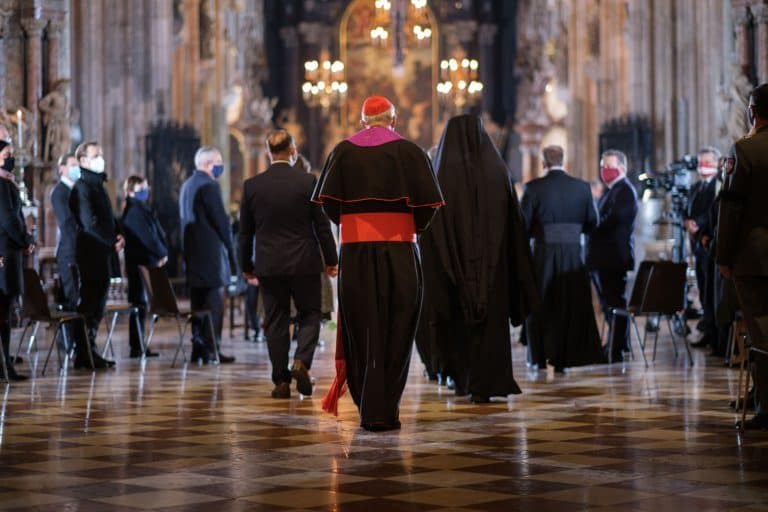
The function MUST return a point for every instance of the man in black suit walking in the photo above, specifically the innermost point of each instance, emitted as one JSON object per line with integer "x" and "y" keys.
{"x": 209, "y": 254}
{"x": 281, "y": 233}
{"x": 66, "y": 234}
{"x": 611, "y": 252}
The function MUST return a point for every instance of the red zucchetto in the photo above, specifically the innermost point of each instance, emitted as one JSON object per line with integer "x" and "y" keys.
{"x": 375, "y": 105}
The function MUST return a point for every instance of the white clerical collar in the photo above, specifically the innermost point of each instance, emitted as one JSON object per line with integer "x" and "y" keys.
{"x": 68, "y": 182}
{"x": 281, "y": 162}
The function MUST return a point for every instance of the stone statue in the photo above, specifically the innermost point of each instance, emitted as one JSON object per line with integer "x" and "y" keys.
{"x": 733, "y": 97}
{"x": 287, "y": 120}
{"x": 56, "y": 112}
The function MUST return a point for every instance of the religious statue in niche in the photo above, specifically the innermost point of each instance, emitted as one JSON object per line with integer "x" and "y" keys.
{"x": 57, "y": 118}
{"x": 733, "y": 97}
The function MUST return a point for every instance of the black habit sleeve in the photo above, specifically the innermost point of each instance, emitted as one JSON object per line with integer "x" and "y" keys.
{"x": 323, "y": 233}
{"x": 12, "y": 223}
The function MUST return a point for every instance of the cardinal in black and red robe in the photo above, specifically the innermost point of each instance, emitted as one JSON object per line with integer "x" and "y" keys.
{"x": 381, "y": 191}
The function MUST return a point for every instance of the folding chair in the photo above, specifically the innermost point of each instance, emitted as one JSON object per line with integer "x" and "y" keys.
{"x": 37, "y": 311}
{"x": 634, "y": 308}
{"x": 664, "y": 296}
{"x": 163, "y": 304}
{"x": 752, "y": 349}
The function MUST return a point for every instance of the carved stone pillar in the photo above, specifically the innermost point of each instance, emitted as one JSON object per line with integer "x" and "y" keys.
{"x": 5, "y": 15}
{"x": 33, "y": 28}
{"x": 760, "y": 12}
{"x": 290, "y": 37}
{"x": 55, "y": 28}
{"x": 741, "y": 20}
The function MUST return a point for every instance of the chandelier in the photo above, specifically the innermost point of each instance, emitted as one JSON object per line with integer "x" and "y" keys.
{"x": 459, "y": 87}
{"x": 324, "y": 85}
{"x": 403, "y": 17}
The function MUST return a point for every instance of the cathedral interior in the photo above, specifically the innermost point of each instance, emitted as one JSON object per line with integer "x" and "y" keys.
{"x": 153, "y": 80}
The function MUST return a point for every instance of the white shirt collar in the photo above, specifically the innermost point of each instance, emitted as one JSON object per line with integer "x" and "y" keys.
{"x": 68, "y": 182}
{"x": 281, "y": 162}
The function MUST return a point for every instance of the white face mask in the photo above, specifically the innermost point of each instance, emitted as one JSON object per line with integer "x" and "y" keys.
{"x": 97, "y": 164}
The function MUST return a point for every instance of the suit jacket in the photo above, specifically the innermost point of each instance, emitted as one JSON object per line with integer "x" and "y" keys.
{"x": 280, "y": 228}
{"x": 209, "y": 255}
{"x": 96, "y": 226}
{"x": 612, "y": 245}
{"x": 742, "y": 234}
{"x": 701, "y": 199}
{"x": 558, "y": 198}
{"x": 67, "y": 224}
{"x": 13, "y": 239}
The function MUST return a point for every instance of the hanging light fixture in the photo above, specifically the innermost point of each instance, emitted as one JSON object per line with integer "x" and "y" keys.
{"x": 459, "y": 87}
{"x": 324, "y": 84}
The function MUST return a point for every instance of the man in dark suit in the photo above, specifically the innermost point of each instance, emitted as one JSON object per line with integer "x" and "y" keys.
{"x": 66, "y": 232}
{"x": 209, "y": 254}
{"x": 702, "y": 197}
{"x": 278, "y": 218}
{"x": 742, "y": 239}
{"x": 611, "y": 250}
{"x": 96, "y": 242}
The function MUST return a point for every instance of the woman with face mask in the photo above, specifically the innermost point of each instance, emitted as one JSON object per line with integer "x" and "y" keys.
{"x": 14, "y": 240}
{"x": 145, "y": 245}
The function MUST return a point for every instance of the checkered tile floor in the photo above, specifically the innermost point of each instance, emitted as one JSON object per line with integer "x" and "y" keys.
{"x": 210, "y": 438}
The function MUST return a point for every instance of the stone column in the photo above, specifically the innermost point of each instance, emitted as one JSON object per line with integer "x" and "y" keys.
{"x": 290, "y": 37}
{"x": 55, "y": 28}
{"x": 486, "y": 38}
{"x": 5, "y": 15}
{"x": 760, "y": 12}
{"x": 741, "y": 21}
{"x": 33, "y": 28}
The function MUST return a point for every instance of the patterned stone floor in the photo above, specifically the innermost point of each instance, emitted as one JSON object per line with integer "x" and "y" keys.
{"x": 210, "y": 438}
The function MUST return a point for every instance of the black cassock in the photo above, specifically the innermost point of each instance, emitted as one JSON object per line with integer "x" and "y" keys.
{"x": 477, "y": 266}
{"x": 558, "y": 209}
{"x": 380, "y": 189}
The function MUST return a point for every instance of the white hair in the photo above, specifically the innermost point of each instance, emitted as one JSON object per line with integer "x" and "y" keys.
{"x": 204, "y": 154}
{"x": 383, "y": 119}
{"x": 710, "y": 149}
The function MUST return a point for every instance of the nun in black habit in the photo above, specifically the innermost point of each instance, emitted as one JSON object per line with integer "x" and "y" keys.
{"x": 477, "y": 265}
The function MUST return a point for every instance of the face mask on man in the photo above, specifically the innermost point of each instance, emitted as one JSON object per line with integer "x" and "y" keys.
{"x": 707, "y": 170}
{"x": 609, "y": 174}
{"x": 74, "y": 173}
{"x": 8, "y": 164}
{"x": 218, "y": 170}
{"x": 97, "y": 164}
{"x": 141, "y": 195}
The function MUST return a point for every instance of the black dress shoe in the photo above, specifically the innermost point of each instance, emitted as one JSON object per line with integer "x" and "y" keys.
{"x": 759, "y": 422}
{"x": 18, "y": 360}
{"x": 13, "y": 376}
{"x": 703, "y": 342}
{"x": 301, "y": 374}
{"x": 225, "y": 359}
{"x": 200, "y": 354}
{"x": 135, "y": 354}
{"x": 480, "y": 399}
{"x": 282, "y": 390}
{"x": 381, "y": 427}
{"x": 99, "y": 363}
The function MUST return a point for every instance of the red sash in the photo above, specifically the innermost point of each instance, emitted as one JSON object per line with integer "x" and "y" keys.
{"x": 377, "y": 227}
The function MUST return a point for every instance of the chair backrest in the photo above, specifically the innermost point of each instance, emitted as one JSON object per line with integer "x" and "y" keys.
{"x": 665, "y": 293}
{"x": 162, "y": 299}
{"x": 640, "y": 285}
{"x": 35, "y": 300}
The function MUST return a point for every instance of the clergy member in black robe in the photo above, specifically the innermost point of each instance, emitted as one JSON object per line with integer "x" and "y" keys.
{"x": 380, "y": 189}
{"x": 558, "y": 208}
{"x": 477, "y": 264}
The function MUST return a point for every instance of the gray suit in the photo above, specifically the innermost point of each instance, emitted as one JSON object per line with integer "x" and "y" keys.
{"x": 742, "y": 236}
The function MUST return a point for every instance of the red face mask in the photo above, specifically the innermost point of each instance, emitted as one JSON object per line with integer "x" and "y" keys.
{"x": 609, "y": 174}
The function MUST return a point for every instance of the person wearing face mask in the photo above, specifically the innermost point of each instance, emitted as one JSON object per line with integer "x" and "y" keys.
{"x": 742, "y": 239}
{"x": 611, "y": 247}
{"x": 66, "y": 233}
{"x": 14, "y": 242}
{"x": 97, "y": 240}
{"x": 145, "y": 245}
{"x": 701, "y": 199}
{"x": 209, "y": 253}
{"x": 281, "y": 237}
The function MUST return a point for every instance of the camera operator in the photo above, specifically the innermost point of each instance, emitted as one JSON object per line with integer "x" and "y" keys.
{"x": 742, "y": 234}
{"x": 701, "y": 199}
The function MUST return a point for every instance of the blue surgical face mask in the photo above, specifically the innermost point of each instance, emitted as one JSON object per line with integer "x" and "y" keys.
{"x": 218, "y": 170}
{"x": 142, "y": 195}
{"x": 74, "y": 173}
